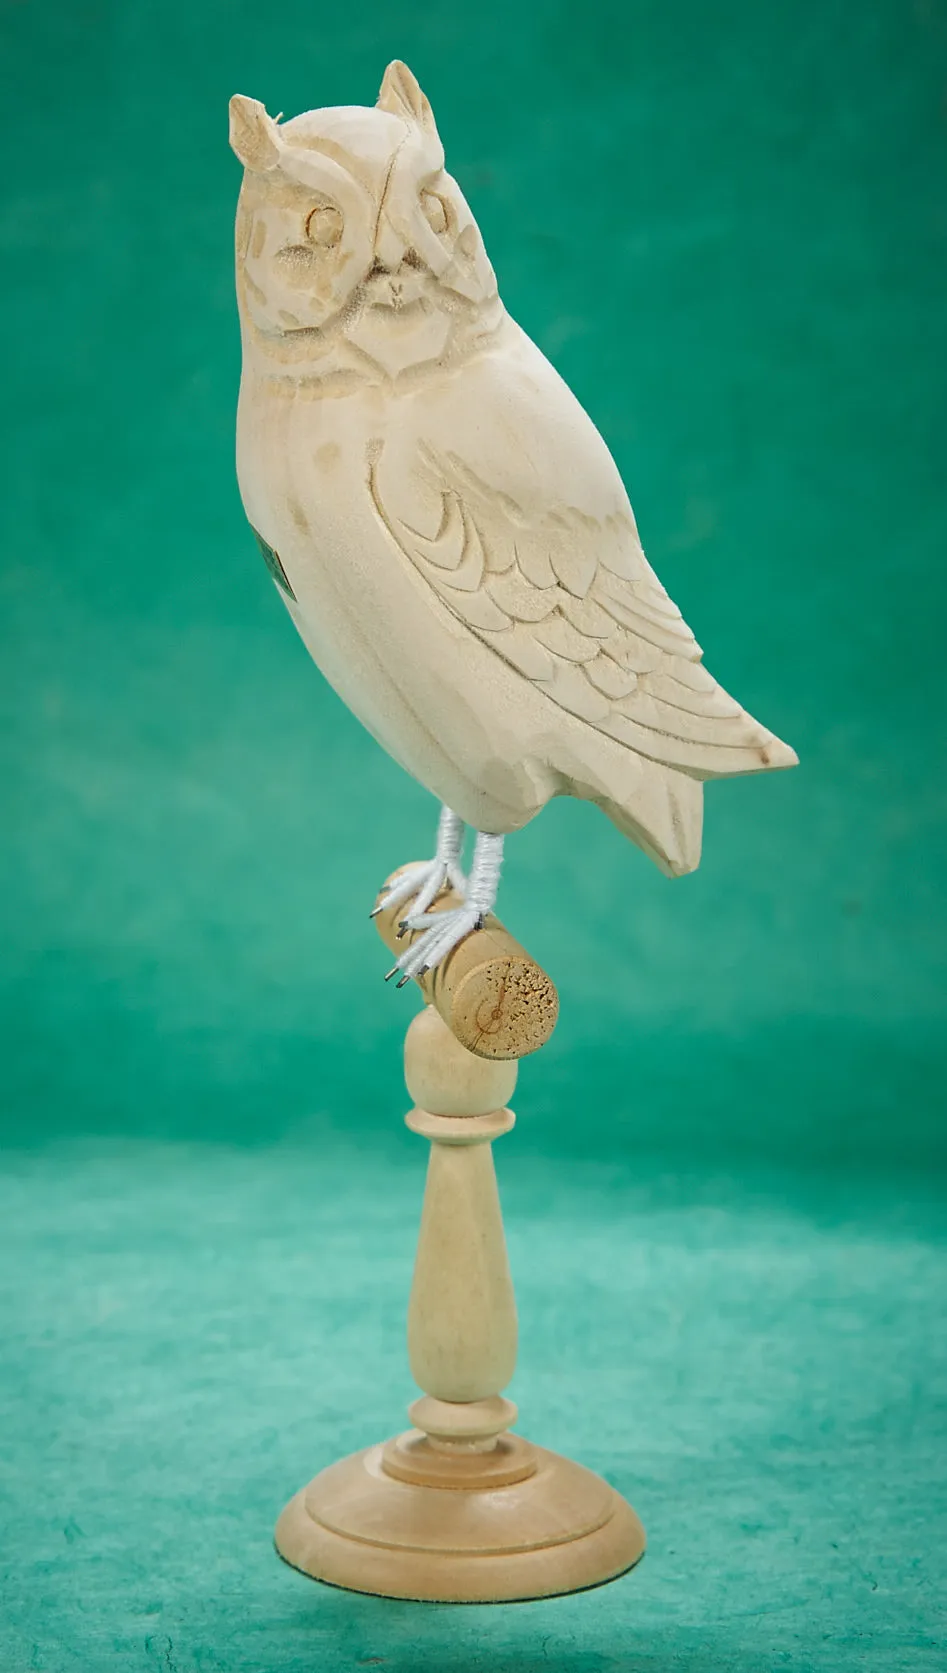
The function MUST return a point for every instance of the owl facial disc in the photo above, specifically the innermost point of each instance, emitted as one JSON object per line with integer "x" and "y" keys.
{"x": 349, "y": 231}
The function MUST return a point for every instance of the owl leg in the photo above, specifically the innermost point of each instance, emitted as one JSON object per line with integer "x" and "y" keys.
{"x": 427, "y": 879}
{"x": 444, "y": 930}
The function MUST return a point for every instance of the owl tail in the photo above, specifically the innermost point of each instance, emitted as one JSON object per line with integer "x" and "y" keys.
{"x": 664, "y": 816}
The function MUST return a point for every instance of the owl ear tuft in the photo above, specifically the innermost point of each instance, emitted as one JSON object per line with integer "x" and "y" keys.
{"x": 401, "y": 96}
{"x": 254, "y": 136}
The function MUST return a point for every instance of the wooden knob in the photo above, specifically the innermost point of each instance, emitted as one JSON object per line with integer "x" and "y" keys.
{"x": 493, "y": 997}
{"x": 444, "y": 1078}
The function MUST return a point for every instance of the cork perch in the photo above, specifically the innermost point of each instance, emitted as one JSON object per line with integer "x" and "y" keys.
{"x": 494, "y": 998}
{"x": 458, "y": 1508}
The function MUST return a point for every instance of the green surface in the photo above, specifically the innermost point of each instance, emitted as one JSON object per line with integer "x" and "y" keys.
{"x": 726, "y": 226}
{"x": 209, "y": 1326}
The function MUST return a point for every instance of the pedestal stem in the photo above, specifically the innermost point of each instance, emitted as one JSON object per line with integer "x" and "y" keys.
{"x": 462, "y": 1315}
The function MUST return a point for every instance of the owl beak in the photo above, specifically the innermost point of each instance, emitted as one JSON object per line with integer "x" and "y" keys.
{"x": 390, "y": 248}
{"x": 397, "y": 274}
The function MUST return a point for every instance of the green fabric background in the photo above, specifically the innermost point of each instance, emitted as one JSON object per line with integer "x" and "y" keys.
{"x": 727, "y": 226}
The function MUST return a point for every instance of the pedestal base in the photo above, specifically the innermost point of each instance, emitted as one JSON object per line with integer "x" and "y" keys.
{"x": 555, "y": 1528}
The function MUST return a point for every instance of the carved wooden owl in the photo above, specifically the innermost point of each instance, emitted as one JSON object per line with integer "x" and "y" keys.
{"x": 448, "y": 529}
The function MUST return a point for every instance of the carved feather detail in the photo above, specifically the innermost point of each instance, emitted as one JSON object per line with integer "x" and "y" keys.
{"x": 573, "y": 604}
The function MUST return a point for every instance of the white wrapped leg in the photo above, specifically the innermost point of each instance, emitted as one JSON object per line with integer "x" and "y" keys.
{"x": 443, "y": 930}
{"x": 427, "y": 879}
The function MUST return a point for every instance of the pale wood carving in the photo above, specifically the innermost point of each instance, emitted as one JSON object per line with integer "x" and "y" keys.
{"x": 446, "y": 526}
{"x": 458, "y": 1508}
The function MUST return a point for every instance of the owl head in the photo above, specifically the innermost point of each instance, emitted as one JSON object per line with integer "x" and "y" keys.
{"x": 349, "y": 227}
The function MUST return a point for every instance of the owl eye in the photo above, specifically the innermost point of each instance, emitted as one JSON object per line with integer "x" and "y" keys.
{"x": 435, "y": 211}
{"x": 324, "y": 225}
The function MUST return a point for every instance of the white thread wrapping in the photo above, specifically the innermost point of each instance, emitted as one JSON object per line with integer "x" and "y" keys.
{"x": 450, "y": 837}
{"x": 444, "y": 930}
{"x": 426, "y": 880}
{"x": 484, "y": 880}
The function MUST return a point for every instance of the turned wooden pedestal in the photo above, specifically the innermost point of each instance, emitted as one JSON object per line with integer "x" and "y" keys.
{"x": 458, "y": 1508}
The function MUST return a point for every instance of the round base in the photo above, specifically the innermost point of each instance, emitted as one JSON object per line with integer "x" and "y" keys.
{"x": 556, "y": 1529}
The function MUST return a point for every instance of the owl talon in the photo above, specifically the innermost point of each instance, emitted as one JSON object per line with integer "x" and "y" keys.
{"x": 426, "y": 880}
{"x": 436, "y": 934}
{"x": 444, "y": 932}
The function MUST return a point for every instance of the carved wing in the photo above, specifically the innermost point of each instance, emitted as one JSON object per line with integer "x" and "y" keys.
{"x": 572, "y": 603}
